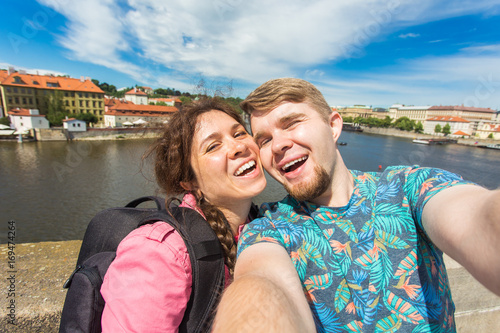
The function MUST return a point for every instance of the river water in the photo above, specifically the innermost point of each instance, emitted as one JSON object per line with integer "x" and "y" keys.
{"x": 52, "y": 189}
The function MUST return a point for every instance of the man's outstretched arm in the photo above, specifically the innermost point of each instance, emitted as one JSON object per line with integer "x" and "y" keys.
{"x": 266, "y": 295}
{"x": 464, "y": 222}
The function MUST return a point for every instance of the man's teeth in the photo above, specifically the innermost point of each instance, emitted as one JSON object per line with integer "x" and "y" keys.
{"x": 244, "y": 167}
{"x": 289, "y": 164}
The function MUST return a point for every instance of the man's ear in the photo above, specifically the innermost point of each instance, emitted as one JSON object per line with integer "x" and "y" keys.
{"x": 335, "y": 121}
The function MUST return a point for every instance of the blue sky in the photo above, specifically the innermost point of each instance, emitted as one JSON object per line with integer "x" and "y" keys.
{"x": 372, "y": 52}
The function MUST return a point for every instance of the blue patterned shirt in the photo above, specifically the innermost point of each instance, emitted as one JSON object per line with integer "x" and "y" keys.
{"x": 368, "y": 266}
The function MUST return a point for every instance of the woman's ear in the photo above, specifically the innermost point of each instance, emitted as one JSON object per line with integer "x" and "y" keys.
{"x": 188, "y": 186}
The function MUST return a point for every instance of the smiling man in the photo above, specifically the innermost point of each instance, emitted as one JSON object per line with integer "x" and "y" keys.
{"x": 348, "y": 250}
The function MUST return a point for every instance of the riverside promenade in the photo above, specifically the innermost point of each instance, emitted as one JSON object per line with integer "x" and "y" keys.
{"x": 39, "y": 271}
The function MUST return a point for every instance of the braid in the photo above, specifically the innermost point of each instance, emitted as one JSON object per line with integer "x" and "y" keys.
{"x": 220, "y": 226}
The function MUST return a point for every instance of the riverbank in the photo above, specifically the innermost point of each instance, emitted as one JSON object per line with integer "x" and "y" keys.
{"x": 412, "y": 135}
{"x": 40, "y": 270}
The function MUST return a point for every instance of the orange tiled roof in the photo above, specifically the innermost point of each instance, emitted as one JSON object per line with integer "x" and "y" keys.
{"x": 23, "y": 113}
{"x": 123, "y": 109}
{"x": 49, "y": 82}
{"x": 449, "y": 119}
{"x": 461, "y": 133}
{"x": 492, "y": 127}
{"x": 461, "y": 108}
{"x": 135, "y": 92}
{"x": 175, "y": 100}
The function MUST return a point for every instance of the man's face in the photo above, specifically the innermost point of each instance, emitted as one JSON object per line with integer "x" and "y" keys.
{"x": 297, "y": 148}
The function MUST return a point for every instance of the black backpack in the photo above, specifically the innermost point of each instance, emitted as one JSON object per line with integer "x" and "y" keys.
{"x": 84, "y": 304}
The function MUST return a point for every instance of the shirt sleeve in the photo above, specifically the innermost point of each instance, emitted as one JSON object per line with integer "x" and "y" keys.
{"x": 148, "y": 285}
{"x": 424, "y": 183}
{"x": 261, "y": 230}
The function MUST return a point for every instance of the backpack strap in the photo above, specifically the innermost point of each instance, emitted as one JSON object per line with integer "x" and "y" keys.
{"x": 207, "y": 264}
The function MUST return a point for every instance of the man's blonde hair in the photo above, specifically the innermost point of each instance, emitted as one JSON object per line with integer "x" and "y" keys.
{"x": 275, "y": 92}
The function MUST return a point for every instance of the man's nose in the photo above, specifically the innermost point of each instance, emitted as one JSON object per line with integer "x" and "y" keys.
{"x": 281, "y": 142}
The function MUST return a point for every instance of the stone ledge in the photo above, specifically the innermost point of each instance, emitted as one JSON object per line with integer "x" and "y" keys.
{"x": 42, "y": 268}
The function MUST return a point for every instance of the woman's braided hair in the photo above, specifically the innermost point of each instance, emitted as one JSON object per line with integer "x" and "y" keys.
{"x": 172, "y": 165}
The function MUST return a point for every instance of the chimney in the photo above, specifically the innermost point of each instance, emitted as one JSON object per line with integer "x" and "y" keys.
{"x": 82, "y": 79}
{"x": 11, "y": 70}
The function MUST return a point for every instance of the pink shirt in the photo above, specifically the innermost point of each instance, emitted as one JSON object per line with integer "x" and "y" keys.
{"x": 148, "y": 285}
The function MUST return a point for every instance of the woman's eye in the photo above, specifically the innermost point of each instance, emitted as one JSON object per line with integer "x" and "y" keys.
{"x": 212, "y": 147}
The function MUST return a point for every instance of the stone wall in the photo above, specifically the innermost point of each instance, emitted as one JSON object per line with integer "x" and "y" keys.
{"x": 40, "y": 270}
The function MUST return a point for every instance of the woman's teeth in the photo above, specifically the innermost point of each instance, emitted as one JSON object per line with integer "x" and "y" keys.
{"x": 244, "y": 167}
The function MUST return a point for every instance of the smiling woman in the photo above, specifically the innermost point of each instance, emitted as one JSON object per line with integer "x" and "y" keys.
{"x": 205, "y": 155}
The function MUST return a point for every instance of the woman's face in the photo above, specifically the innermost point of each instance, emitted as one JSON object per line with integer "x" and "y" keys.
{"x": 225, "y": 160}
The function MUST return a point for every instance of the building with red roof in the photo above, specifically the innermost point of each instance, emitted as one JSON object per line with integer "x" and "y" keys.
{"x": 26, "y": 119}
{"x": 136, "y": 96}
{"x": 458, "y": 126}
{"x": 123, "y": 114}
{"x": 30, "y": 91}
{"x": 488, "y": 131}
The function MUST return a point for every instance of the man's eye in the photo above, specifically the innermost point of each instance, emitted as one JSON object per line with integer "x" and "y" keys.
{"x": 291, "y": 123}
{"x": 241, "y": 133}
{"x": 263, "y": 142}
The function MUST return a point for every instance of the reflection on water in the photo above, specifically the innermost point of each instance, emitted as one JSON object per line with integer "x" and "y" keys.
{"x": 53, "y": 189}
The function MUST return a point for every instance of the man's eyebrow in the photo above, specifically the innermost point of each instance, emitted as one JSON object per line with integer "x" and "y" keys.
{"x": 257, "y": 136}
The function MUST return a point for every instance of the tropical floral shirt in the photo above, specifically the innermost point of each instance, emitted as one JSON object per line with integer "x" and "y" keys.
{"x": 368, "y": 266}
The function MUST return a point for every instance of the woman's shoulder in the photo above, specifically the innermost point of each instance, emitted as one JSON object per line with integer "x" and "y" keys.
{"x": 154, "y": 237}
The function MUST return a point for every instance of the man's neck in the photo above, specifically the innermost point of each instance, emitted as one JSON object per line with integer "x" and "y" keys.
{"x": 341, "y": 188}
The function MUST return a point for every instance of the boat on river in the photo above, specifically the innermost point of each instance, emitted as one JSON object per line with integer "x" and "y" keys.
{"x": 434, "y": 141}
{"x": 351, "y": 127}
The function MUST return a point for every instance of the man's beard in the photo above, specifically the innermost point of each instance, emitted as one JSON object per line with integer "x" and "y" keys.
{"x": 307, "y": 192}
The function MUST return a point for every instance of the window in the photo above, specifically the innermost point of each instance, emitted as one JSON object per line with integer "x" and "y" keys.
{"x": 22, "y": 91}
{"x": 67, "y": 103}
{"x": 17, "y": 79}
{"x": 29, "y": 91}
{"x": 24, "y": 100}
{"x": 31, "y": 100}
{"x": 15, "y": 90}
{"x": 86, "y": 95}
{"x": 17, "y": 100}
{"x": 72, "y": 103}
{"x": 79, "y": 125}
{"x": 52, "y": 84}
{"x": 8, "y": 89}
{"x": 86, "y": 103}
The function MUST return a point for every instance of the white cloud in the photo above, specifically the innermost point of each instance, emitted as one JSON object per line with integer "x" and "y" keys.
{"x": 37, "y": 71}
{"x": 409, "y": 35}
{"x": 173, "y": 43}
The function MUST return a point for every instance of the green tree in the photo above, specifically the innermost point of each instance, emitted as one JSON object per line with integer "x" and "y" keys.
{"x": 185, "y": 100}
{"x": 446, "y": 129}
{"x": 88, "y": 118}
{"x": 56, "y": 111}
{"x": 387, "y": 122}
{"x": 419, "y": 128}
{"x": 404, "y": 124}
{"x": 5, "y": 121}
{"x": 347, "y": 119}
{"x": 490, "y": 136}
{"x": 437, "y": 129}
